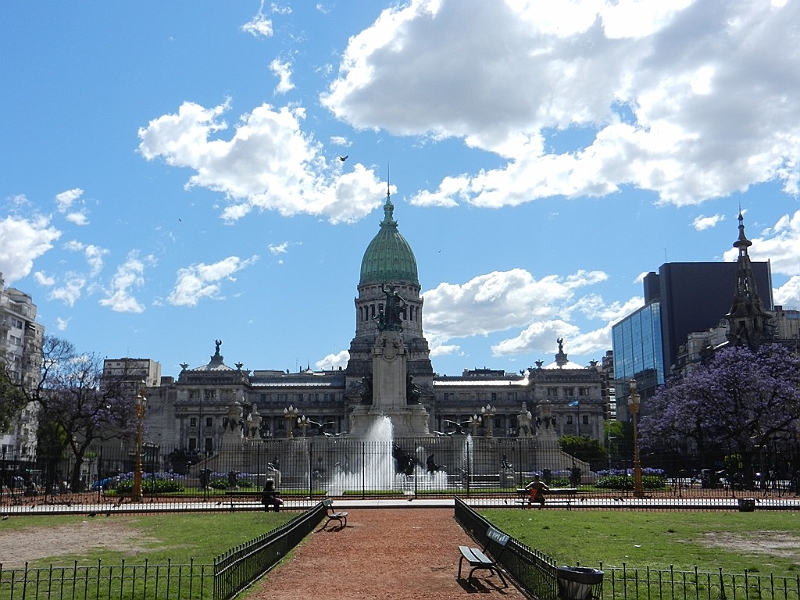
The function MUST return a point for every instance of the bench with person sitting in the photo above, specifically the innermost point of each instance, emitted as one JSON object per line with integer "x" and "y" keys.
{"x": 478, "y": 559}
{"x": 270, "y": 496}
{"x": 536, "y": 491}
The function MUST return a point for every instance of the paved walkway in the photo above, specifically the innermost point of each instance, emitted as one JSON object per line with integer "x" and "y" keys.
{"x": 382, "y": 553}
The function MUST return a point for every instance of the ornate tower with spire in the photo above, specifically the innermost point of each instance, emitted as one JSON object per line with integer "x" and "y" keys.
{"x": 749, "y": 323}
{"x": 389, "y": 271}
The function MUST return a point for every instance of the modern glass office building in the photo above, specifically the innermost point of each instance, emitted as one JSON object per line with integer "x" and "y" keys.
{"x": 637, "y": 348}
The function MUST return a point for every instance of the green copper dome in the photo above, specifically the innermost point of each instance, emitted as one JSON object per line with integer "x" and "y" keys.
{"x": 388, "y": 257}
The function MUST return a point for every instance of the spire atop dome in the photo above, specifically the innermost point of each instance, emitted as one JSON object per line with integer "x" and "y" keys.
{"x": 389, "y": 258}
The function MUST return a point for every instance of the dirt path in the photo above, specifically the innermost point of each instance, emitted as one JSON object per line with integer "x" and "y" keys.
{"x": 401, "y": 554}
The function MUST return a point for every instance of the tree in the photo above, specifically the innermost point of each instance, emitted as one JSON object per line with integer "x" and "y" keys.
{"x": 74, "y": 412}
{"x": 740, "y": 401}
{"x": 583, "y": 448}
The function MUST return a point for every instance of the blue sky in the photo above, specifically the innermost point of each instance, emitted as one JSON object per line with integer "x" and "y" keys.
{"x": 170, "y": 173}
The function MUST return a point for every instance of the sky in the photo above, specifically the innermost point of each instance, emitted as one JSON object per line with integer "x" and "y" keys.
{"x": 171, "y": 173}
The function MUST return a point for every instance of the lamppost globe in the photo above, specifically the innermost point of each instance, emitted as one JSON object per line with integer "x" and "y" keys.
{"x": 290, "y": 414}
{"x": 302, "y": 421}
{"x": 488, "y": 413}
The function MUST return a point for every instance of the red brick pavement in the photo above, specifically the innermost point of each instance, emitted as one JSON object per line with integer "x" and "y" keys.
{"x": 394, "y": 553}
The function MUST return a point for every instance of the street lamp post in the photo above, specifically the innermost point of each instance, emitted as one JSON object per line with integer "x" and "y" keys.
{"x": 303, "y": 422}
{"x": 634, "y": 404}
{"x": 488, "y": 413}
{"x": 141, "y": 406}
{"x": 290, "y": 414}
{"x": 474, "y": 421}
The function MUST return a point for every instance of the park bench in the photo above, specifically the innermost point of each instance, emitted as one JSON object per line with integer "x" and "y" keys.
{"x": 243, "y": 494}
{"x": 568, "y": 493}
{"x": 334, "y": 515}
{"x": 477, "y": 558}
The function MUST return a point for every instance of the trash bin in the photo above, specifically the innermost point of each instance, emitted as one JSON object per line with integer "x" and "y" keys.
{"x": 578, "y": 583}
{"x": 747, "y": 504}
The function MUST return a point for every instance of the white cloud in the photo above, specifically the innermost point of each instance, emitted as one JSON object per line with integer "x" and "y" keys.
{"x": 268, "y": 164}
{"x": 62, "y": 324}
{"x": 702, "y": 222}
{"x": 78, "y": 218}
{"x": 283, "y": 70}
{"x": 70, "y": 290}
{"x": 689, "y": 100}
{"x": 536, "y": 337}
{"x": 444, "y": 349}
{"x": 93, "y": 254}
{"x": 279, "y": 249}
{"x": 65, "y": 199}
{"x": 43, "y": 279}
{"x": 333, "y": 361}
{"x": 129, "y": 274}
{"x": 788, "y": 295}
{"x": 500, "y": 301}
{"x": 259, "y": 25}
{"x": 24, "y": 240}
{"x": 203, "y": 281}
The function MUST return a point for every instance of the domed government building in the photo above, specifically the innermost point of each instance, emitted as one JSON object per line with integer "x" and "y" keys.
{"x": 210, "y": 404}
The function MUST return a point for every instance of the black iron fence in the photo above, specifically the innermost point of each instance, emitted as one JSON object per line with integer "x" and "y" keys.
{"x": 109, "y": 582}
{"x": 538, "y": 574}
{"x": 231, "y": 572}
{"x": 241, "y": 566}
{"x": 532, "y": 570}
{"x": 657, "y": 584}
{"x": 305, "y": 469}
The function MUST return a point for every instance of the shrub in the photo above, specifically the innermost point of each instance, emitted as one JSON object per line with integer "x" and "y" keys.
{"x": 625, "y": 482}
{"x": 152, "y": 485}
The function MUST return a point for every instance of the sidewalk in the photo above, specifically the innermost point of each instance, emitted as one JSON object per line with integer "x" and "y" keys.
{"x": 387, "y": 553}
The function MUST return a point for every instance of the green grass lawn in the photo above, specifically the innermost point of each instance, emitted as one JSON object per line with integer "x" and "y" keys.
{"x": 761, "y": 541}
{"x": 158, "y": 538}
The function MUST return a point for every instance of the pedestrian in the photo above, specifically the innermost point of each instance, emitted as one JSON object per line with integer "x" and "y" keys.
{"x": 270, "y": 497}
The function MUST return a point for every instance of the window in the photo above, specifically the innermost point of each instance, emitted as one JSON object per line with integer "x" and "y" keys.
{"x": 585, "y": 419}
{"x": 569, "y": 392}
{"x": 494, "y": 397}
{"x": 193, "y": 422}
{"x": 209, "y": 421}
{"x": 210, "y": 394}
{"x": 583, "y": 391}
{"x": 194, "y": 394}
{"x": 445, "y": 397}
{"x": 192, "y": 444}
{"x": 569, "y": 419}
{"x": 552, "y": 392}
{"x": 299, "y": 397}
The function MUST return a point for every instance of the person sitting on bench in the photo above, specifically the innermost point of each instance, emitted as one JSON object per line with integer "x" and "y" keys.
{"x": 537, "y": 488}
{"x": 269, "y": 496}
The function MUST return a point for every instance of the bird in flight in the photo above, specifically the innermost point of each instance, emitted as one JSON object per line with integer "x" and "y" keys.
{"x": 344, "y": 158}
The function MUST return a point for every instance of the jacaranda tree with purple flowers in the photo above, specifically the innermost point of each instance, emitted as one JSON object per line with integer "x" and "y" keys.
{"x": 74, "y": 412}
{"x": 739, "y": 402}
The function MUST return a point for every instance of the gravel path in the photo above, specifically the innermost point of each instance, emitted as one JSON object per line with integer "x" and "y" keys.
{"x": 401, "y": 554}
